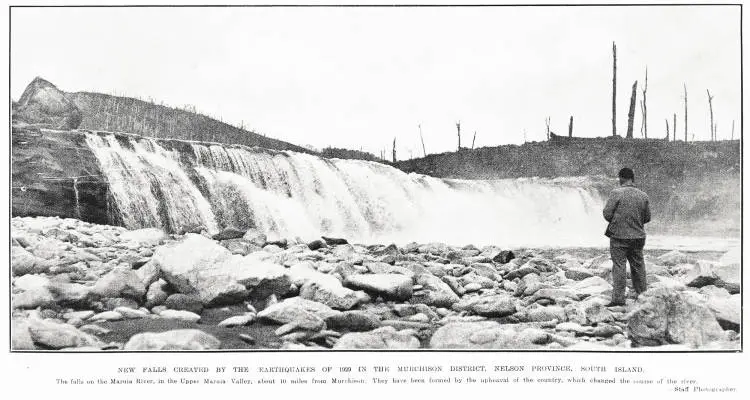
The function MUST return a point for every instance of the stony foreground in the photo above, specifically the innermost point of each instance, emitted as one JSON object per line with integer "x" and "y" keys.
{"x": 79, "y": 286}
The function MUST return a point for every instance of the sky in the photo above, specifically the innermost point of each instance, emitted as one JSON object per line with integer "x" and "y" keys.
{"x": 359, "y": 77}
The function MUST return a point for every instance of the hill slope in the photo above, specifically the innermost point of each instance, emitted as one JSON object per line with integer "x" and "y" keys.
{"x": 125, "y": 114}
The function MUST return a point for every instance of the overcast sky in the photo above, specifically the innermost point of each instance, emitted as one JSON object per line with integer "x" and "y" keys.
{"x": 358, "y": 77}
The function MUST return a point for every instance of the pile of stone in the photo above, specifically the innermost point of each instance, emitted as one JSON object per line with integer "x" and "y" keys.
{"x": 70, "y": 277}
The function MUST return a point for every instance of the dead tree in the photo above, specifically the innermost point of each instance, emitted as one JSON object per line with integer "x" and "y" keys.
{"x": 570, "y": 127}
{"x": 547, "y": 122}
{"x": 674, "y": 127}
{"x": 614, "y": 89}
{"x": 458, "y": 130}
{"x": 424, "y": 151}
{"x": 732, "y": 129}
{"x": 644, "y": 128}
{"x": 684, "y": 98}
{"x": 711, "y": 110}
{"x": 666, "y": 122}
{"x": 631, "y": 111}
{"x": 473, "y": 140}
{"x": 394, "y": 149}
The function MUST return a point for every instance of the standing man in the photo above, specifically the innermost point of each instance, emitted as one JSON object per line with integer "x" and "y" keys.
{"x": 627, "y": 211}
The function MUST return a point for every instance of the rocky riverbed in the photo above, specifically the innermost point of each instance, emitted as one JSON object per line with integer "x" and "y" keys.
{"x": 85, "y": 287}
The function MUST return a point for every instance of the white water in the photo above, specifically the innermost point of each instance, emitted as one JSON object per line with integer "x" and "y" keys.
{"x": 299, "y": 195}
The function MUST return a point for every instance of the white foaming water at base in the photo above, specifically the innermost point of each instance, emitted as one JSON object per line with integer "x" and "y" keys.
{"x": 174, "y": 185}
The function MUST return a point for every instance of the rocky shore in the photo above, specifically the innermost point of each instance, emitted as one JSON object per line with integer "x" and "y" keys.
{"x": 78, "y": 286}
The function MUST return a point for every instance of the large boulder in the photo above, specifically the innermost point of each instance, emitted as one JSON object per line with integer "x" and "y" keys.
{"x": 665, "y": 316}
{"x": 296, "y": 308}
{"x": 20, "y": 338}
{"x": 391, "y": 286}
{"x": 728, "y": 311}
{"x": 57, "y": 335}
{"x": 43, "y": 103}
{"x": 199, "y": 266}
{"x": 353, "y": 321}
{"x": 434, "y": 292}
{"x": 323, "y": 288}
{"x": 728, "y": 271}
{"x": 386, "y": 337}
{"x": 496, "y": 305}
{"x": 483, "y": 335}
{"x": 178, "y": 339}
{"x": 120, "y": 282}
{"x": 22, "y": 262}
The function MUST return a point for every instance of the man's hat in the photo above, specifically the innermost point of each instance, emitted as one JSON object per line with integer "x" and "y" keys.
{"x": 626, "y": 173}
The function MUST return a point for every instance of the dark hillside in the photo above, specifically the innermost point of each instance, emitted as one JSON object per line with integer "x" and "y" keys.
{"x": 124, "y": 114}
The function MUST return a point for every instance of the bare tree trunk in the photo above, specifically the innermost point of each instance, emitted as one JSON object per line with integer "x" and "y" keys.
{"x": 424, "y": 151}
{"x": 570, "y": 127}
{"x": 674, "y": 127}
{"x": 666, "y": 122}
{"x": 473, "y": 140}
{"x": 631, "y": 111}
{"x": 547, "y": 121}
{"x": 614, "y": 89}
{"x": 458, "y": 130}
{"x": 711, "y": 110}
{"x": 644, "y": 110}
{"x": 685, "y": 102}
{"x": 732, "y": 129}
{"x": 394, "y": 149}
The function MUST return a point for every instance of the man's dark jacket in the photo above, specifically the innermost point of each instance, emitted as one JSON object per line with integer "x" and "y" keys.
{"x": 626, "y": 211}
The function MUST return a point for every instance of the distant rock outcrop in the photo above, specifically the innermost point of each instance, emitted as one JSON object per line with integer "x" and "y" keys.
{"x": 42, "y": 103}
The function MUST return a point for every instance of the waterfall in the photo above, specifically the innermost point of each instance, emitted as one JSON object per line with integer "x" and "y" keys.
{"x": 176, "y": 184}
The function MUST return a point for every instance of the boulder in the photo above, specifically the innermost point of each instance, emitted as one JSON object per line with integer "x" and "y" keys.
{"x": 548, "y": 313}
{"x": 728, "y": 311}
{"x": 57, "y": 335}
{"x": 323, "y": 288}
{"x": 496, "y": 305}
{"x": 295, "y": 308}
{"x": 157, "y": 293}
{"x": 179, "y": 301}
{"x": 334, "y": 241}
{"x": 384, "y": 338}
{"x": 200, "y": 266}
{"x": 43, "y": 103}
{"x": 699, "y": 275}
{"x": 503, "y": 257}
{"x": 434, "y": 292}
{"x": 20, "y": 337}
{"x": 481, "y": 335}
{"x": 238, "y": 320}
{"x": 120, "y": 283}
{"x": 728, "y": 271}
{"x": 34, "y": 292}
{"x": 391, "y": 286}
{"x": 178, "y": 339}
{"x": 665, "y": 316}
{"x": 578, "y": 274}
{"x": 353, "y": 321}
{"x": 22, "y": 262}
{"x": 229, "y": 233}
{"x": 339, "y": 297}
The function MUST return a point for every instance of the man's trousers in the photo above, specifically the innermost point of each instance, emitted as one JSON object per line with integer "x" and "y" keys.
{"x": 630, "y": 250}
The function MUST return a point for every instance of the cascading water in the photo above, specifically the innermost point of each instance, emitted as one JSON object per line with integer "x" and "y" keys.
{"x": 159, "y": 184}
